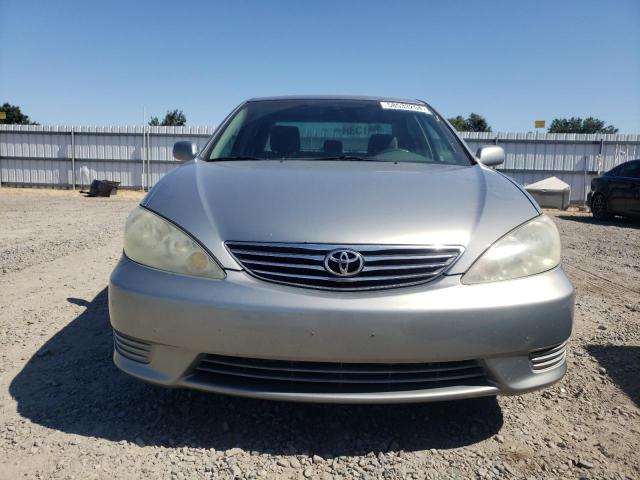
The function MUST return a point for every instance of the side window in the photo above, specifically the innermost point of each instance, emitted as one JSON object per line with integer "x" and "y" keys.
{"x": 226, "y": 142}
{"x": 442, "y": 153}
{"x": 418, "y": 142}
{"x": 614, "y": 172}
{"x": 635, "y": 171}
{"x": 629, "y": 170}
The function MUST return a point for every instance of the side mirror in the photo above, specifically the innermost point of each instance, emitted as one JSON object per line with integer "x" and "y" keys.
{"x": 185, "y": 151}
{"x": 491, "y": 155}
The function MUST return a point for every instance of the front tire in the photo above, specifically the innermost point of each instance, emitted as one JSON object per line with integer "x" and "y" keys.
{"x": 599, "y": 208}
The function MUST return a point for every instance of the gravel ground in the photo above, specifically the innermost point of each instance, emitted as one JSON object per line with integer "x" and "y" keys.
{"x": 67, "y": 412}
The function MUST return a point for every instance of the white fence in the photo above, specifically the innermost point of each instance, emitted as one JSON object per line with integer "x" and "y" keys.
{"x": 137, "y": 158}
{"x": 32, "y": 155}
{"x": 574, "y": 158}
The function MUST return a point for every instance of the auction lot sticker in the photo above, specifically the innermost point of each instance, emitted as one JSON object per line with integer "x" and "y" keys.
{"x": 404, "y": 106}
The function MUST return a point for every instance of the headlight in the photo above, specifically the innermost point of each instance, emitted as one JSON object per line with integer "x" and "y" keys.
{"x": 529, "y": 249}
{"x": 152, "y": 241}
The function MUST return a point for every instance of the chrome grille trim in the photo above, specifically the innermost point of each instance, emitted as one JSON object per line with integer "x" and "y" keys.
{"x": 413, "y": 257}
{"x": 385, "y": 266}
{"x": 292, "y": 265}
{"x": 292, "y": 255}
{"x": 131, "y": 348}
{"x": 359, "y": 278}
{"x": 548, "y": 358}
{"x": 281, "y": 375}
{"x": 413, "y": 266}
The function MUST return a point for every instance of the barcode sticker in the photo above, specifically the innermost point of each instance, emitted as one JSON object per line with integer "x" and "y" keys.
{"x": 405, "y": 106}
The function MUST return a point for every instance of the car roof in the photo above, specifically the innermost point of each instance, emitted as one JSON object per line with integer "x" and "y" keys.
{"x": 337, "y": 97}
{"x": 626, "y": 163}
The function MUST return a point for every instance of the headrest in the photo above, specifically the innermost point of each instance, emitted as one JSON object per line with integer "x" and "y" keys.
{"x": 381, "y": 141}
{"x": 332, "y": 147}
{"x": 285, "y": 140}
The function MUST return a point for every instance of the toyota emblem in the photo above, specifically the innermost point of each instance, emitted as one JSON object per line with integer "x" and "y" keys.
{"x": 343, "y": 262}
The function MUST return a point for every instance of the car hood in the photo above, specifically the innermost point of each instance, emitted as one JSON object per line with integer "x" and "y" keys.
{"x": 341, "y": 203}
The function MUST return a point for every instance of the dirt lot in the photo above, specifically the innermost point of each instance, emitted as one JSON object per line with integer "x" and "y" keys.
{"x": 67, "y": 412}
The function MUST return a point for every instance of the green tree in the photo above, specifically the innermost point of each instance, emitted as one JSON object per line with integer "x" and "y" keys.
{"x": 173, "y": 118}
{"x": 578, "y": 125}
{"x": 15, "y": 116}
{"x": 477, "y": 123}
{"x": 473, "y": 123}
{"x": 459, "y": 123}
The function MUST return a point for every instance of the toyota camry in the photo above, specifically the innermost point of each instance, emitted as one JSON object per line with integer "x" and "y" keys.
{"x": 340, "y": 249}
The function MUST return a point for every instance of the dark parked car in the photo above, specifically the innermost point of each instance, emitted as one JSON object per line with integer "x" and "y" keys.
{"x": 617, "y": 192}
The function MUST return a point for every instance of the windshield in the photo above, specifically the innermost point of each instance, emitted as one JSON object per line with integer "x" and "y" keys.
{"x": 347, "y": 130}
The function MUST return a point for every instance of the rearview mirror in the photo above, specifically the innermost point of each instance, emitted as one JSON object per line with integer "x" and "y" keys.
{"x": 185, "y": 151}
{"x": 490, "y": 155}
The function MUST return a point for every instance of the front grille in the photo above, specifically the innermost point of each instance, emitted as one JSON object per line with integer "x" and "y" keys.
{"x": 281, "y": 375}
{"x": 302, "y": 264}
{"x": 131, "y": 348}
{"x": 547, "y": 358}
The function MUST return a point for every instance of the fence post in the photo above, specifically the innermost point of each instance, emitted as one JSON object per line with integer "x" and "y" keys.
{"x": 73, "y": 160}
{"x": 584, "y": 182}
{"x": 142, "y": 183}
{"x": 601, "y": 155}
{"x": 149, "y": 159}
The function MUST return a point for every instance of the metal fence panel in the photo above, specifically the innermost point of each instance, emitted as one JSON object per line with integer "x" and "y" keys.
{"x": 574, "y": 158}
{"x": 62, "y": 156}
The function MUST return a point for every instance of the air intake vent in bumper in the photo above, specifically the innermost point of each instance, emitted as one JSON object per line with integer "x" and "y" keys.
{"x": 280, "y": 375}
{"x": 131, "y": 348}
{"x": 547, "y": 358}
{"x": 384, "y": 266}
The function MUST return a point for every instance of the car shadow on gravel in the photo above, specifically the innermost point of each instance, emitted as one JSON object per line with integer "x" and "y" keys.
{"x": 622, "y": 364}
{"x": 71, "y": 385}
{"x": 618, "y": 222}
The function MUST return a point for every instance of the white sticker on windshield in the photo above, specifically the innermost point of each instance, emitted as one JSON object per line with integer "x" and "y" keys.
{"x": 405, "y": 106}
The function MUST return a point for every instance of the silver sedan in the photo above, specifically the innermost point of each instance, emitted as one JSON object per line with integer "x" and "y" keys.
{"x": 340, "y": 249}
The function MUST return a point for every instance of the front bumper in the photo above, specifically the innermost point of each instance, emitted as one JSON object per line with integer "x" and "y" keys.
{"x": 498, "y": 325}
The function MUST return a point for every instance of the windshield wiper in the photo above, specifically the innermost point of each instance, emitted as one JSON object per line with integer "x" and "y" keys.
{"x": 237, "y": 157}
{"x": 350, "y": 158}
{"x": 353, "y": 158}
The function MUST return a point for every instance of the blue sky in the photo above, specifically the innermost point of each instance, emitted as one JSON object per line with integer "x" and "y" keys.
{"x": 100, "y": 63}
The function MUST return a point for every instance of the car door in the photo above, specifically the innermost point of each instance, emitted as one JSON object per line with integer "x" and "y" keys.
{"x": 621, "y": 189}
